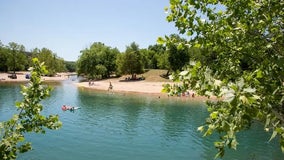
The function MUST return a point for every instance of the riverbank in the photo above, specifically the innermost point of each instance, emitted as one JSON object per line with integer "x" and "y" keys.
{"x": 124, "y": 86}
{"x": 139, "y": 87}
{"x": 119, "y": 85}
{"x": 21, "y": 77}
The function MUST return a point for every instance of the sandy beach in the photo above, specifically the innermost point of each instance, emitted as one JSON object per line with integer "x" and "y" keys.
{"x": 138, "y": 88}
{"x": 122, "y": 86}
{"x": 119, "y": 85}
{"x": 103, "y": 85}
{"x": 21, "y": 77}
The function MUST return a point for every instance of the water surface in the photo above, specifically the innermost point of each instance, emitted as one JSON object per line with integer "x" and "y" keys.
{"x": 122, "y": 127}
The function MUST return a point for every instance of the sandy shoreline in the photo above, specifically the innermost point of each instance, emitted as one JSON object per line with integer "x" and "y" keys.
{"x": 103, "y": 85}
{"x": 21, "y": 77}
{"x": 138, "y": 88}
{"x": 131, "y": 87}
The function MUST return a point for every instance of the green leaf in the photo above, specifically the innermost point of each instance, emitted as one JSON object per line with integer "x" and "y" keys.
{"x": 234, "y": 144}
{"x": 197, "y": 45}
{"x": 189, "y": 33}
{"x": 166, "y": 9}
{"x": 240, "y": 83}
{"x": 244, "y": 99}
{"x": 217, "y": 82}
{"x": 18, "y": 104}
{"x": 220, "y": 13}
{"x": 201, "y": 128}
{"x": 249, "y": 90}
{"x": 25, "y": 147}
{"x": 180, "y": 46}
{"x": 214, "y": 115}
{"x": 259, "y": 74}
{"x": 183, "y": 73}
{"x": 160, "y": 40}
{"x": 273, "y": 135}
{"x": 228, "y": 95}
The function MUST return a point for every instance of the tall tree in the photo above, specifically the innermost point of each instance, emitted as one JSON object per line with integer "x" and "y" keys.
{"x": 98, "y": 61}
{"x": 70, "y": 66}
{"x": 157, "y": 54}
{"x": 108, "y": 60}
{"x": 178, "y": 54}
{"x": 86, "y": 63}
{"x": 16, "y": 59}
{"x": 3, "y": 57}
{"x": 131, "y": 61}
{"x": 244, "y": 40}
{"x": 53, "y": 63}
{"x": 147, "y": 58}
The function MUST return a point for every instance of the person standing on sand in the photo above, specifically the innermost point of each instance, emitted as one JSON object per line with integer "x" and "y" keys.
{"x": 110, "y": 88}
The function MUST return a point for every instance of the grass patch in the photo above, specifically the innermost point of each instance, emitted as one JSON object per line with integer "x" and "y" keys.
{"x": 155, "y": 75}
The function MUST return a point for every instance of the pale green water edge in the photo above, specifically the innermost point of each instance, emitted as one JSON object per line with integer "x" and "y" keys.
{"x": 134, "y": 127}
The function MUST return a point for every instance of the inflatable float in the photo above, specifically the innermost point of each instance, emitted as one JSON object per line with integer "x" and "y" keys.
{"x": 65, "y": 108}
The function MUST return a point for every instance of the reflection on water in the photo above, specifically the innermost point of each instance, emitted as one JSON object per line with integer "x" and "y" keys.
{"x": 118, "y": 126}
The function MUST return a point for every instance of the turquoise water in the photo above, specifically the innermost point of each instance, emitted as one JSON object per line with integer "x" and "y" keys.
{"x": 129, "y": 127}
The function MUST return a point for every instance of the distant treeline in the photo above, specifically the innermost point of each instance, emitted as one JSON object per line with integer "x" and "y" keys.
{"x": 102, "y": 61}
{"x": 14, "y": 58}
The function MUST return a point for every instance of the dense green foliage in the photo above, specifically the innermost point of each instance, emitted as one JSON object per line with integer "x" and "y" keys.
{"x": 98, "y": 61}
{"x": 131, "y": 62}
{"x": 3, "y": 58}
{"x": 29, "y": 118}
{"x": 53, "y": 63}
{"x": 101, "y": 61}
{"x": 155, "y": 57}
{"x": 70, "y": 66}
{"x": 14, "y": 57}
{"x": 178, "y": 56}
{"x": 242, "y": 43}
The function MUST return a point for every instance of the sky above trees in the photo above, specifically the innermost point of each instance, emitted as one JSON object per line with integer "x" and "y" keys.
{"x": 68, "y": 26}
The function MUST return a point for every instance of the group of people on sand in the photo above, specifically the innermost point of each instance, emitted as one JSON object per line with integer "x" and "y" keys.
{"x": 91, "y": 83}
{"x": 110, "y": 88}
{"x": 186, "y": 94}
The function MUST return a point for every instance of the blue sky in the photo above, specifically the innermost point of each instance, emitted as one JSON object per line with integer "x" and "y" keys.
{"x": 68, "y": 26}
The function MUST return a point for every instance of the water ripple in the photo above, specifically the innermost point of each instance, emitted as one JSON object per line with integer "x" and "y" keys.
{"x": 113, "y": 127}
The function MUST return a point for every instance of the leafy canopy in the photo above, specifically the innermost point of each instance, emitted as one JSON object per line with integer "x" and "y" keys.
{"x": 52, "y": 62}
{"x": 15, "y": 57}
{"x": 98, "y": 61}
{"x": 131, "y": 62}
{"x": 244, "y": 40}
{"x": 29, "y": 118}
